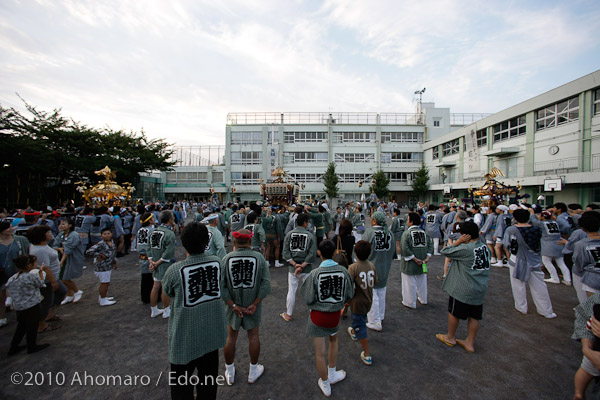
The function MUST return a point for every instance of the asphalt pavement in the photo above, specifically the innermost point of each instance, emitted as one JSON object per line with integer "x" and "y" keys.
{"x": 119, "y": 352}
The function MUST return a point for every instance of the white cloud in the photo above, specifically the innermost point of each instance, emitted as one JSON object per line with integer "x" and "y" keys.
{"x": 177, "y": 68}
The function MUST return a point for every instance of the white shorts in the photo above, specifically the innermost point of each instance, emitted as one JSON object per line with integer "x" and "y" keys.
{"x": 103, "y": 276}
{"x": 589, "y": 289}
{"x": 489, "y": 241}
{"x": 588, "y": 367}
{"x": 498, "y": 240}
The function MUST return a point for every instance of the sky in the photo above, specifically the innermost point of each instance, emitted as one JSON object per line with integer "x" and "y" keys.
{"x": 176, "y": 68}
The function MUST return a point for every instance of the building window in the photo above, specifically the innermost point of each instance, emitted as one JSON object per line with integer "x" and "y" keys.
{"x": 186, "y": 177}
{"x": 436, "y": 152}
{"x": 246, "y": 157}
{"x": 354, "y": 137}
{"x": 217, "y": 177}
{"x": 305, "y": 137}
{"x": 436, "y": 122}
{"x": 509, "y": 129}
{"x": 300, "y": 157}
{"x": 402, "y": 137}
{"x": 354, "y": 157}
{"x": 450, "y": 147}
{"x": 306, "y": 178}
{"x": 557, "y": 114}
{"x": 246, "y": 178}
{"x": 387, "y": 158}
{"x": 352, "y": 178}
{"x": 597, "y": 101}
{"x": 482, "y": 138}
{"x": 245, "y": 137}
{"x": 399, "y": 177}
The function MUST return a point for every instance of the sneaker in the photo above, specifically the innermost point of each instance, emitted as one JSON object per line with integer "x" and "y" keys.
{"x": 437, "y": 254}
{"x": 107, "y": 297}
{"x": 374, "y": 327}
{"x": 255, "y": 373}
{"x": 352, "y": 334}
{"x": 550, "y": 316}
{"x": 366, "y": 359}
{"x": 424, "y": 303}
{"x": 325, "y": 387}
{"x": 77, "y": 296}
{"x": 155, "y": 312}
{"x": 166, "y": 312}
{"x": 3, "y": 322}
{"x": 106, "y": 302}
{"x": 494, "y": 261}
{"x": 552, "y": 280}
{"x": 441, "y": 277}
{"x": 230, "y": 378}
{"x": 336, "y": 376}
{"x": 278, "y": 264}
{"x": 498, "y": 264}
{"x": 568, "y": 283}
{"x": 66, "y": 300}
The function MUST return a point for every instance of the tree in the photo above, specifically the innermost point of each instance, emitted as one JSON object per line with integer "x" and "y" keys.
{"x": 420, "y": 183}
{"x": 380, "y": 187}
{"x": 44, "y": 154}
{"x": 330, "y": 180}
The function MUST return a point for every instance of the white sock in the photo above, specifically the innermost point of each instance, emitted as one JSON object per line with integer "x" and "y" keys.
{"x": 230, "y": 367}
{"x": 253, "y": 366}
{"x": 155, "y": 308}
{"x": 331, "y": 370}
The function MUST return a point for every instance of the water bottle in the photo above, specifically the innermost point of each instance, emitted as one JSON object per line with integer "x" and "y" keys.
{"x": 424, "y": 265}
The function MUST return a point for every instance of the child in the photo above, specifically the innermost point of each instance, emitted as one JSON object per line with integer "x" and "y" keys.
{"x": 26, "y": 298}
{"x": 364, "y": 276}
{"x": 466, "y": 283}
{"x": 105, "y": 260}
{"x": 587, "y": 370}
{"x": 326, "y": 290}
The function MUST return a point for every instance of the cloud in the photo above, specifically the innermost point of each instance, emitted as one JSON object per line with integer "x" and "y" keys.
{"x": 177, "y": 68}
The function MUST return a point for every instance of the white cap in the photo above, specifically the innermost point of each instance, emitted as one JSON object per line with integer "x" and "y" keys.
{"x": 502, "y": 207}
{"x": 513, "y": 207}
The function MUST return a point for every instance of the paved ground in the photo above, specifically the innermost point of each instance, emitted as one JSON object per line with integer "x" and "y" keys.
{"x": 518, "y": 356}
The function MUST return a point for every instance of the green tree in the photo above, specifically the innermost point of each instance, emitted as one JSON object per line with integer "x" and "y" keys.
{"x": 44, "y": 153}
{"x": 330, "y": 180}
{"x": 420, "y": 183}
{"x": 380, "y": 186}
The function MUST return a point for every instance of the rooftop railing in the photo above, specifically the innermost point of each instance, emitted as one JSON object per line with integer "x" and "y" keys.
{"x": 343, "y": 118}
{"x": 346, "y": 118}
{"x": 466, "y": 119}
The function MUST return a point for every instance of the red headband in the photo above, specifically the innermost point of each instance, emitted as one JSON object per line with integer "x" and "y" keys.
{"x": 32, "y": 214}
{"x": 55, "y": 214}
{"x": 239, "y": 235}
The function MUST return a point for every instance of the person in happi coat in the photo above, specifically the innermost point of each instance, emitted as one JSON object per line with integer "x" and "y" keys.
{"x": 245, "y": 282}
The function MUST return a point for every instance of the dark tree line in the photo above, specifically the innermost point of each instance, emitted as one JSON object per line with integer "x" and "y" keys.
{"x": 44, "y": 153}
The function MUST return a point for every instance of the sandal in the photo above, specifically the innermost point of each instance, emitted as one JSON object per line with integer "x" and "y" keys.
{"x": 54, "y": 319}
{"x": 462, "y": 344}
{"x": 285, "y": 317}
{"x": 49, "y": 328}
{"x": 442, "y": 339}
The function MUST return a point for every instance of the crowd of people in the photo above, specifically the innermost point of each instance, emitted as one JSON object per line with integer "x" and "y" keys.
{"x": 335, "y": 263}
